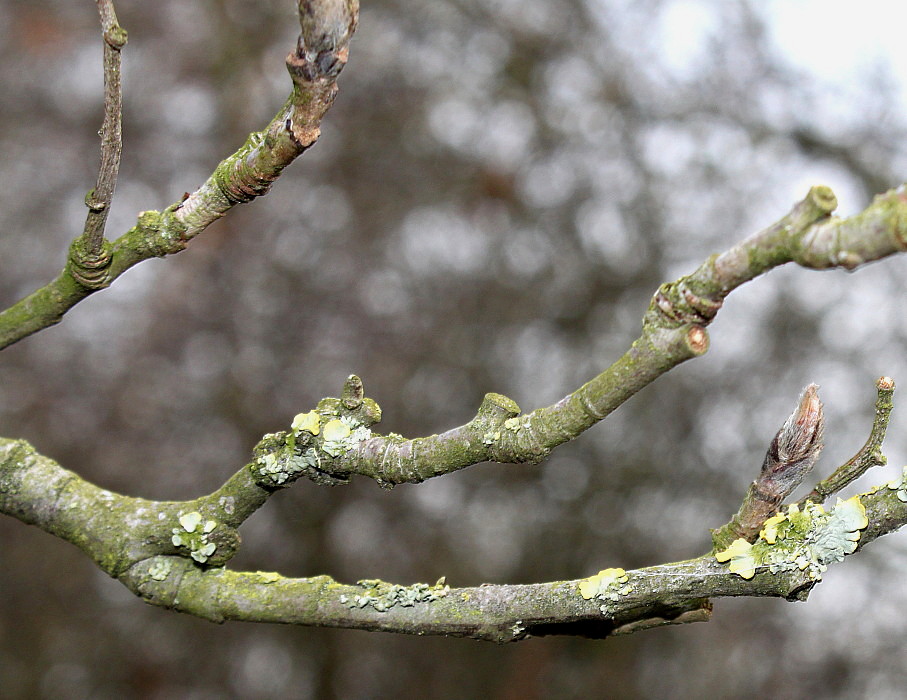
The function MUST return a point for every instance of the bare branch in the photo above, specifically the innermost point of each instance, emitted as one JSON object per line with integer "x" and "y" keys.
{"x": 241, "y": 177}
{"x": 172, "y": 553}
{"x": 674, "y": 330}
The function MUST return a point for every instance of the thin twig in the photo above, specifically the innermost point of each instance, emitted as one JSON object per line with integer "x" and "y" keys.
{"x": 870, "y": 455}
{"x": 92, "y": 257}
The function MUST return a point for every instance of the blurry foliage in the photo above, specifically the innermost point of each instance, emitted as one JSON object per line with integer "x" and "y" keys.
{"x": 499, "y": 189}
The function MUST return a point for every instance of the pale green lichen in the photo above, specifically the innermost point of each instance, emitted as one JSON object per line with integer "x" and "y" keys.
{"x": 190, "y": 521}
{"x": 808, "y": 539}
{"x": 193, "y": 535}
{"x": 900, "y": 485}
{"x": 841, "y": 533}
{"x": 292, "y": 456}
{"x": 342, "y": 435}
{"x": 607, "y": 586}
{"x": 336, "y": 430}
{"x": 517, "y": 422}
{"x": 309, "y": 448}
{"x": 160, "y": 569}
{"x": 740, "y": 556}
{"x": 490, "y": 438}
{"x": 275, "y": 466}
{"x": 382, "y": 596}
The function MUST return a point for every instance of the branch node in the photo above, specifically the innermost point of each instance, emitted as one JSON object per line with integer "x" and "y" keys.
{"x": 237, "y": 178}
{"x": 93, "y": 202}
{"x": 496, "y": 408}
{"x": 90, "y": 269}
{"x": 115, "y": 37}
{"x": 676, "y": 304}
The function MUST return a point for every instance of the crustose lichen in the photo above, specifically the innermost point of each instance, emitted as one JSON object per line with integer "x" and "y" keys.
{"x": 382, "y": 596}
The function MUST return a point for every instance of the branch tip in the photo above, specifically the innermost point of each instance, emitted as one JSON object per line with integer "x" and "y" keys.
{"x": 698, "y": 340}
{"x": 805, "y": 425}
{"x": 823, "y": 198}
{"x": 796, "y": 447}
{"x": 326, "y": 27}
{"x": 497, "y": 405}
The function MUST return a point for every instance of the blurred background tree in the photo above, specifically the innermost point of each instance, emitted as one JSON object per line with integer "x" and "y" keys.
{"x": 499, "y": 189}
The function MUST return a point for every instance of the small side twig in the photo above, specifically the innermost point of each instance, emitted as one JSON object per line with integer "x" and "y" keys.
{"x": 870, "y": 455}
{"x": 89, "y": 256}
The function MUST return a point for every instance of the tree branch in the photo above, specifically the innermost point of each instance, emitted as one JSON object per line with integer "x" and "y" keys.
{"x": 674, "y": 330}
{"x": 241, "y": 177}
{"x": 132, "y": 540}
{"x": 172, "y": 553}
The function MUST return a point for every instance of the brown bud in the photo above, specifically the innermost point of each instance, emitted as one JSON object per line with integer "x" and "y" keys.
{"x": 795, "y": 448}
{"x": 352, "y": 394}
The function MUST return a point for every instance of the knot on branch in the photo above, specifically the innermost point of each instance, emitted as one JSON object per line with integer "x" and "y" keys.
{"x": 518, "y": 441}
{"x": 317, "y": 441}
{"x": 877, "y": 231}
{"x": 90, "y": 269}
{"x": 115, "y": 37}
{"x": 237, "y": 178}
{"x": 157, "y": 233}
{"x": 675, "y": 304}
{"x": 509, "y": 436}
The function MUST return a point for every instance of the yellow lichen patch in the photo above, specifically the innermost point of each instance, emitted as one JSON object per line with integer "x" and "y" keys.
{"x": 335, "y": 430}
{"x": 310, "y": 421}
{"x": 740, "y": 556}
{"x": 769, "y": 530}
{"x": 268, "y": 576}
{"x": 738, "y": 547}
{"x": 595, "y": 585}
